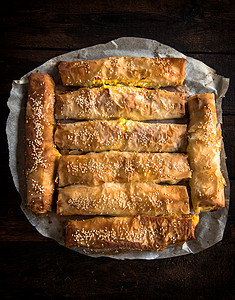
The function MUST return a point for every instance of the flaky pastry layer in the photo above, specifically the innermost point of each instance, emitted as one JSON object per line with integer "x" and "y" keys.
{"x": 41, "y": 154}
{"x": 204, "y": 145}
{"x": 132, "y": 71}
{"x": 123, "y": 199}
{"x": 122, "y": 167}
{"x": 122, "y": 135}
{"x": 133, "y": 232}
{"x": 119, "y": 102}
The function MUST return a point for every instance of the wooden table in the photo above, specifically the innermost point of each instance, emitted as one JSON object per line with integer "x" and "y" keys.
{"x": 35, "y": 31}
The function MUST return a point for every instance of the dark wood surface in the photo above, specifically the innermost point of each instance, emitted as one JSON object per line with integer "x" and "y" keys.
{"x": 34, "y": 31}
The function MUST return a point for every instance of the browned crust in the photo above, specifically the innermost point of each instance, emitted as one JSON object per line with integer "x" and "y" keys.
{"x": 121, "y": 135}
{"x": 133, "y": 71}
{"x": 123, "y": 199}
{"x": 139, "y": 232}
{"x": 122, "y": 167}
{"x": 207, "y": 182}
{"x": 41, "y": 154}
{"x": 119, "y": 102}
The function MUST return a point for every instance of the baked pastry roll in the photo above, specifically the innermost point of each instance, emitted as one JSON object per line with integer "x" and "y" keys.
{"x": 41, "y": 154}
{"x": 122, "y": 167}
{"x": 132, "y": 71}
{"x": 204, "y": 145}
{"x": 124, "y": 199}
{"x": 123, "y": 135}
{"x": 115, "y": 102}
{"x": 133, "y": 232}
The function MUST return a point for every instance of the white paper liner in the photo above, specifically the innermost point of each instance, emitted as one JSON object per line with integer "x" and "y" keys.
{"x": 199, "y": 79}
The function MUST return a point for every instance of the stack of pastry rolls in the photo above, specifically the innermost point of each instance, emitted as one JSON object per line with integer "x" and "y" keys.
{"x": 116, "y": 165}
{"x": 127, "y": 174}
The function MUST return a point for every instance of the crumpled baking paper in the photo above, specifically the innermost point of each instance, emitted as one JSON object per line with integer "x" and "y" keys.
{"x": 199, "y": 79}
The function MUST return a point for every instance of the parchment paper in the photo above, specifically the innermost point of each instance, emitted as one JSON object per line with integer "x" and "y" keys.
{"x": 199, "y": 79}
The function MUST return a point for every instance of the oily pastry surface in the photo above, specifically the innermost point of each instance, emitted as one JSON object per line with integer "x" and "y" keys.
{"x": 119, "y": 102}
{"x": 114, "y": 93}
{"x": 122, "y": 167}
{"x": 123, "y": 199}
{"x": 41, "y": 154}
{"x": 204, "y": 145}
{"x": 133, "y": 232}
{"x": 122, "y": 135}
{"x": 132, "y": 71}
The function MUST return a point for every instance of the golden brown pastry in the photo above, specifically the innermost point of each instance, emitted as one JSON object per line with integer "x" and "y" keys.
{"x": 132, "y": 71}
{"x": 133, "y": 232}
{"x": 126, "y": 199}
{"x": 207, "y": 182}
{"x": 122, "y": 167}
{"x": 41, "y": 154}
{"x": 122, "y": 135}
{"x": 115, "y": 102}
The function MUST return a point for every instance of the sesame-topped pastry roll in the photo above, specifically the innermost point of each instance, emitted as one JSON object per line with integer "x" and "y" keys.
{"x": 122, "y": 135}
{"x": 140, "y": 232}
{"x": 122, "y": 167}
{"x": 41, "y": 154}
{"x": 207, "y": 182}
{"x": 132, "y": 71}
{"x": 123, "y": 199}
{"x": 115, "y": 102}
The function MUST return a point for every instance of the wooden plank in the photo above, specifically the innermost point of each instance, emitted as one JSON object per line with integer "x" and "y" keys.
{"x": 48, "y": 270}
{"x": 16, "y": 63}
{"x": 34, "y": 31}
{"x": 71, "y": 25}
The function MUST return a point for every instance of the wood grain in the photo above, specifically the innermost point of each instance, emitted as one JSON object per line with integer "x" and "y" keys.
{"x": 51, "y": 271}
{"x": 189, "y": 25}
{"x": 34, "y": 31}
